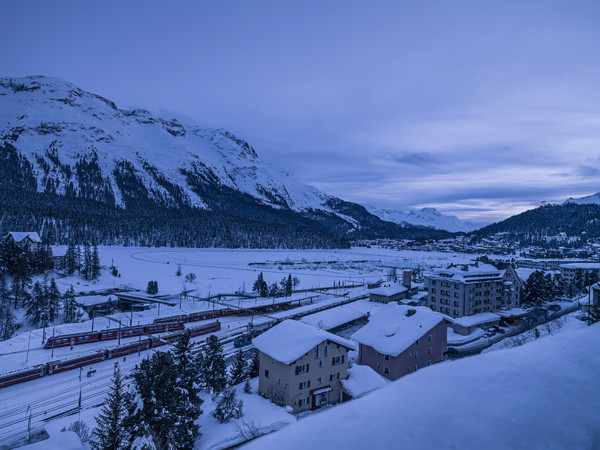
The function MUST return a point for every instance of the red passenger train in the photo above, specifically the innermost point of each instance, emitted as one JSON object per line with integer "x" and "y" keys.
{"x": 52, "y": 367}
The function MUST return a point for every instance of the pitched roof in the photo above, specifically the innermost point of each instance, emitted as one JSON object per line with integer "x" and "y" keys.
{"x": 391, "y": 331}
{"x": 18, "y": 236}
{"x": 289, "y": 340}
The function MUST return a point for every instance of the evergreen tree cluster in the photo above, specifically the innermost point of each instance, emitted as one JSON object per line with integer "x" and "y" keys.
{"x": 540, "y": 287}
{"x": 285, "y": 287}
{"x": 152, "y": 287}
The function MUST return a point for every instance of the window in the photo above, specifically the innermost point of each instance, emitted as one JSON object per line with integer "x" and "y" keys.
{"x": 416, "y": 366}
{"x": 386, "y": 369}
{"x": 266, "y": 373}
{"x": 386, "y": 357}
{"x": 326, "y": 351}
{"x": 285, "y": 386}
{"x": 456, "y": 295}
{"x": 303, "y": 368}
{"x": 320, "y": 364}
{"x": 429, "y": 351}
{"x": 417, "y": 343}
{"x": 304, "y": 385}
{"x": 317, "y": 352}
{"x": 430, "y": 337}
{"x": 278, "y": 380}
{"x": 378, "y": 366}
{"x": 428, "y": 362}
{"x": 337, "y": 360}
{"x": 416, "y": 354}
{"x": 334, "y": 376}
{"x": 433, "y": 282}
{"x": 409, "y": 369}
{"x": 303, "y": 401}
{"x": 433, "y": 290}
{"x": 320, "y": 380}
{"x": 410, "y": 355}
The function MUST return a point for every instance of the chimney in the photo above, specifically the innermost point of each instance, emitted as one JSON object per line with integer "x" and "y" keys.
{"x": 406, "y": 278}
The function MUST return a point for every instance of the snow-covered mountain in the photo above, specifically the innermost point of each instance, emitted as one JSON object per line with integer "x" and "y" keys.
{"x": 58, "y": 139}
{"x": 588, "y": 200}
{"x": 427, "y": 217}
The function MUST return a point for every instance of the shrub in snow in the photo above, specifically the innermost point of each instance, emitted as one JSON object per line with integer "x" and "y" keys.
{"x": 247, "y": 430}
{"x": 247, "y": 387}
{"x": 227, "y": 406}
{"x": 82, "y": 430}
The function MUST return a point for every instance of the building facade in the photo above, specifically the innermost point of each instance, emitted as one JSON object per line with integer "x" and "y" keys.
{"x": 301, "y": 366}
{"x": 570, "y": 273}
{"x": 472, "y": 289}
{"x": 24, "y": 240}
{"x": 400, "y": 339}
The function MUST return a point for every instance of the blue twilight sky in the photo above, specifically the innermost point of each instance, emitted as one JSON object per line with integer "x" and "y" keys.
{"x": 478, "y": 108}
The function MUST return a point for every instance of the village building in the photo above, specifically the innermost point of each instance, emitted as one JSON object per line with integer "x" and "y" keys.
{"x": 24, "y": 240}
{"x": 301, "y": 366}
{"x": 570, "y": 273}
{"x": 401, "y": 339}
{"x": 466, "y": 289}
{"x": 396, "y": 291}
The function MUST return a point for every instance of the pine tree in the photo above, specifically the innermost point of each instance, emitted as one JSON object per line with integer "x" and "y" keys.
{"x": 152, "y": 287}
{"x": 214, "y": 367}
{"x": 22, "y": 280}
{"x": 110, "y": 432}
{"x": 86, "y": 268}
{"x": 69, "y": 306}
{"x": 95, "y": 263}
{"x": 254, "y": 365}
{"x": 154, "y": 414}
{"x": 247, "y": 387}
{"x": 188, "y": 403}
{"x": 260, "y": 286}
{"x": 37, "y": 307}
{"x": 53, "y": 296}
{"x": 239, "y": 369}
{"x": 289, "y": 285}
{"x": 227, "y": 406}
{"x": 70, "y": 261}
{"x": 8, "y": 323}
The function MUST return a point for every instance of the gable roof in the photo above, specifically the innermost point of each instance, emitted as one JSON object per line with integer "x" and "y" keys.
{"x": 289, "y": 340}
{"x": 390, "y": 331}
{"x": 18, "y": 236}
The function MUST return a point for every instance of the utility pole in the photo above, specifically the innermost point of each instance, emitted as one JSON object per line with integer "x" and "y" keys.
{"x": 119, "y": 333}
{"x": 29, "y": 424}
{"x": 53, "y": 342}
{"x": 93, "y": 315}
{"x": 28, "y": 342}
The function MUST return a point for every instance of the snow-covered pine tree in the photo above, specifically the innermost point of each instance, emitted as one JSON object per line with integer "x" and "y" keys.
{"x": 69, "y": 307}
{"x": 188, "y": 404}
{"x": 36, "y": 309}
{"x": 214, "y": 367}
{"x": 86, "y": 267}
{"x": 238, "y": 371}
{"x": 110, "y": 432}
{"x": 227, "y": 406}
{"x": 95, "y": 263}
{"x": 8, "y": 323}
{"x": 254, "y": 365}
{"x": 260, "y": 286}
{"x": 53, "y": 295}
{"x": 154, "y": 413}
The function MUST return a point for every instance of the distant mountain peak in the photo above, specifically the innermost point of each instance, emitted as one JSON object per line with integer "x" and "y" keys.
{"x": 590, "y": 199}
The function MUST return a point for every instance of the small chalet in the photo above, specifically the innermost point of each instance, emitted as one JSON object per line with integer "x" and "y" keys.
{"x": 25, "y": 239}
{"x": 401, "y": 339}
{"x": 301, "y": 366}
{"x": 396, "y": 291}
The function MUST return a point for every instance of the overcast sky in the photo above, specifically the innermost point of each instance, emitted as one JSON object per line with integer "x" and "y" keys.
{"x": 480, "y": 109}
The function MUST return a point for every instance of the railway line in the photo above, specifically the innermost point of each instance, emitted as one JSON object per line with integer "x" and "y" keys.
{"x": 45, "y": 400}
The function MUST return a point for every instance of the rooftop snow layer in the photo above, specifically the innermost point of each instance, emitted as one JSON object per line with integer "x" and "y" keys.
{"x": 332, "y": 318}
{"x": 289, "y": 340}
{"x": 477, "y": 319}
{"x": 495, "y": 404}
{"x": 390, "y": 331}
{"x": 18, "y": 236}
{"x": 362, "y": 380}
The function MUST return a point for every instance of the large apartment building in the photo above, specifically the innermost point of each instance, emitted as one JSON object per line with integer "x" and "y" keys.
{"x": 462, "y": 290}
{"x": 570, "y": 273}
{"x": 301, "y": 366}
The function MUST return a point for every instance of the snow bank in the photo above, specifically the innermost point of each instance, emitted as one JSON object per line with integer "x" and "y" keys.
{"x": 541, "y": 395}
{"x": 362, "y": 380}
{"x": 67, "y": 440}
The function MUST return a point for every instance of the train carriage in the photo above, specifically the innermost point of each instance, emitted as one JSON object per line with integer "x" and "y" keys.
{"x": 18, "y": 376}
{"x": 204, "y": 329}
{"x": 127, "y": 349}
{"x": 72, "y": 339}
{"x": 204, "y": 315}
{"x": 181, "y": 318}
{"x": 132, "y": 331}
{"x": 78, "y": 361}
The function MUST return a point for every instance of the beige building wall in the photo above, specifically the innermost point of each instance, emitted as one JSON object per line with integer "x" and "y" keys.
{"x": 280, "y": 383}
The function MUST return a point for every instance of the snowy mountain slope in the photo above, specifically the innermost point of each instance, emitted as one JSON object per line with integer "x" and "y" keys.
{"x": 57, "y": 139}
{"x": 427, "y": 217}
{"x": 593, "y": 199}
{"x": 56, "y": 123}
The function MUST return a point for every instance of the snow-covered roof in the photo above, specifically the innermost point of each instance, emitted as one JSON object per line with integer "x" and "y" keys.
{"x": 331, "y": 318}
{"x": 514, "y": 312}
{"x": 388, "y": 291}
{"x": 289, "y": 340}
{"x": 391, "y": 331}
{"x": 18, "y": 236}
{"x": 477, "y": 319}
{"x": 561, "y": 411}
{"x": 362, "y": 380}
{"x": 468, "y": 273}
{"x": 588, "y": 266}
